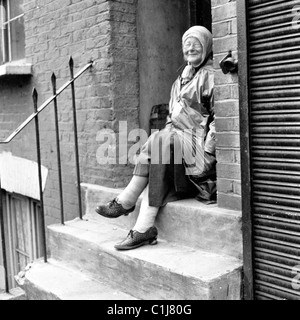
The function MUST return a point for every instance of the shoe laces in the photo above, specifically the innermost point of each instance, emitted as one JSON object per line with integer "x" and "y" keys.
{"x": 130, "y": 233}
{"x": 112, "y": 203}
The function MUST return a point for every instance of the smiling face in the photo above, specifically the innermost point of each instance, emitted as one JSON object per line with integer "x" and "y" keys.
{"x": 192, "y": 51}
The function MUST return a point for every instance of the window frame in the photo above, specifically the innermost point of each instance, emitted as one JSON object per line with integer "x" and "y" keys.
{"x": 7, "y": 51}
{"x": 9, "y": 67}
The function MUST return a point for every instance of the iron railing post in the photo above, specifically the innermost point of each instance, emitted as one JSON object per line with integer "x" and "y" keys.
{"x": 3, "y": 242}
{"x": 71, "y": 65}
{"x": 34, "y": 116}
{"x": 53, "y": 80}
{"x": 38, "y": 147}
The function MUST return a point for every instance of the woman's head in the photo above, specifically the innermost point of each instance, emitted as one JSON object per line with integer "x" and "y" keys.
{"x": 196, "y": 45}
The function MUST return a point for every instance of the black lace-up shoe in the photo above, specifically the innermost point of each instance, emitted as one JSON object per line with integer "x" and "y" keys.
{"x": 136, "y": 239}
{"x": 113, "y": 209}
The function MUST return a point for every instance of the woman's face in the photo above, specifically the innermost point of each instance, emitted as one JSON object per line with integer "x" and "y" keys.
{"x": 192, "y": 51}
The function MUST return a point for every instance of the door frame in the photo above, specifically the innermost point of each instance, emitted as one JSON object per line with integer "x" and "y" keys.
{"x": 31, "y": 214}
{"x": 246, "y": 180}
{"x": 200, "y": 13}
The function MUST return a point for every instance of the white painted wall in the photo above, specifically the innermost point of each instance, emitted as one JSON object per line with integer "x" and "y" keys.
{"x": 20, "y": 175}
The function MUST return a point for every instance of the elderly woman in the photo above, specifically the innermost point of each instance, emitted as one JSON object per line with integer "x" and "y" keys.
{"x": 178, "y": 161}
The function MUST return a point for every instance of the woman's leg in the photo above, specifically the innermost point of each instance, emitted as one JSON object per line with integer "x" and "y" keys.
{"x": 128, "y": 197}
{"x": 144, "y": 231}
{"x": 147, "y": 214}
{"x": 139, "y": 181}
{"x": 125, "y": 202}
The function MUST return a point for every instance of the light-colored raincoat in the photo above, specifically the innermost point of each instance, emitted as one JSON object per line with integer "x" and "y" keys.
{"x": 180, "y": 159}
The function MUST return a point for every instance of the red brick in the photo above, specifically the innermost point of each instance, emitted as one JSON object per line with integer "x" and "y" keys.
{"x": 226, "y": 92}
{"x": 225, "y": 44}
{"x": 228, "y": 139}
{"x": 227, "y": 108}
{"x": 216, "y": 3}
{"x": 229, "y": 171}
{"x": 83, "y": 29}
{"x": 227, "y": 124}
{"x": 225, "y": 186}
{"x": 225, "y": 156}
{"x": 229, "y": 201}
{"x": 221, "y": 29}
{"x": 223, "y": 12}
{"x": 221, "y": 78}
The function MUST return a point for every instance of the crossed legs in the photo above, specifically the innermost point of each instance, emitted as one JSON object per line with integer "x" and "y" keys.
{"x": 144, "y": 231}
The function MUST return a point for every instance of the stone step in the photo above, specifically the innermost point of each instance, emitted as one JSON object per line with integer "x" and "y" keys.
{"x": 14, "y": 294}
{"x": 165, "y": 271}
{"x": 187, "y": 222}
{"x": 56, "y": 281}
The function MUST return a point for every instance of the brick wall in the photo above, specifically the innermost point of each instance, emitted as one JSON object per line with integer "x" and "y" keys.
{"x": 104, "y": 31}
{"x": 125, "y": 74}
{"x": 224, "y": 31}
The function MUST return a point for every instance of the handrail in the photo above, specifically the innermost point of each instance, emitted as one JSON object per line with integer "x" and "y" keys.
{"x": 34, "y": 116}
{"x": 44, "y": 105}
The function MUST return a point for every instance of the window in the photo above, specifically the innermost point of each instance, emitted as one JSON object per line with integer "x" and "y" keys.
{"x": 12, "y": 35}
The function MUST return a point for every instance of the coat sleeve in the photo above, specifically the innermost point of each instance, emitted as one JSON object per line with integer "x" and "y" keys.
{"x": 210, "y": 141}
{"x": 171, "y": 103}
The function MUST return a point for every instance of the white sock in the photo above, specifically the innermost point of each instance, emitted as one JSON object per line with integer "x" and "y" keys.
{"x": 147, "y": 214}
{"x": 128, "y": 197}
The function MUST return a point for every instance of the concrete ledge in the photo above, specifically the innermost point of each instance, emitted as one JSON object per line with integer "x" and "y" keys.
{"x": 187, "y": 222}
{"x": 18, "y": 175}
{"x": 15, "y": 68}
{"x": 54, "y": 281}
{"x": 14, "y": 294}
{"x": 160, "y": 272}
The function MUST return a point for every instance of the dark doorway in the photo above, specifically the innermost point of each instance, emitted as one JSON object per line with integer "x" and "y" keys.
{"x": 160, "y": 26}
{"x": 201, "y": 13}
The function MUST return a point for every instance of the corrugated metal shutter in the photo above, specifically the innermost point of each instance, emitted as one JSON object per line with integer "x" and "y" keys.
{"x": 274, "y": 49}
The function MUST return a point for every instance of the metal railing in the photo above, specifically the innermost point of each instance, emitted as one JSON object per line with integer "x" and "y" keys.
{"x": 34, "y": 116}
